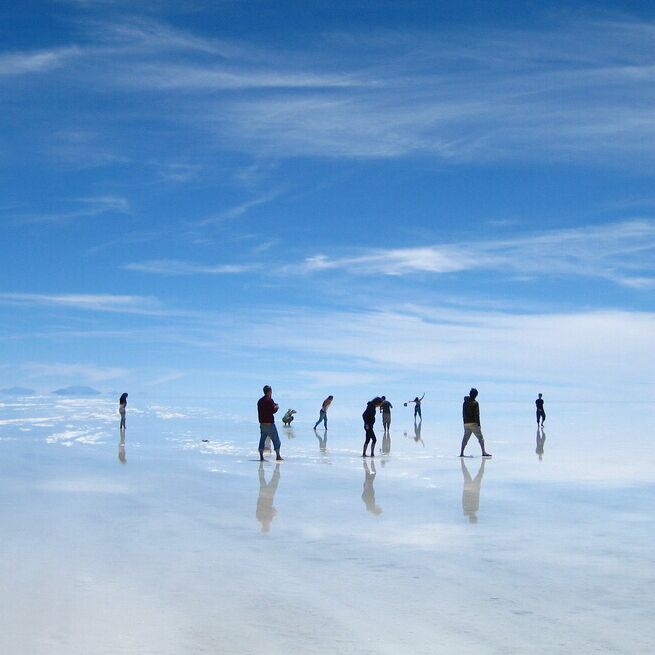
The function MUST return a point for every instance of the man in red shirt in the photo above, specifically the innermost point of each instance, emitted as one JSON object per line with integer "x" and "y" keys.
{"x": 266, "y": 407}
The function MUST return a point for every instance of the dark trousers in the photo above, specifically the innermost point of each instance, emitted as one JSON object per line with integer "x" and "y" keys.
{"x": 370, "y": 437}
{"x": 541, "y": 415}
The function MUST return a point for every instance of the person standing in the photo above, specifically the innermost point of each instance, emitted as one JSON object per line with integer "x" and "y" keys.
{"x": 385, "y": 409}
{"x": 322, "y": 416}
{"x": 122, "y": 407}
{"x": 471, "y": 416}
{"x": 369, "y": 421}
{"x": 266, "y": 408}
{"x": 417, "y": 406}
{"x": 540, "y": 410}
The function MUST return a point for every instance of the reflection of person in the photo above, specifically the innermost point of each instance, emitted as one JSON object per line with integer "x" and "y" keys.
{"x": 265, "y": 510}
{"x": 385, "y": 409}
{"x": 122, "y": 407}
{"x": 369, "y": 420}
{"x": 266, "y": 408}
{"x": 322, "y": 416}
{"x": 471, "y": 416}
{"x": 386, "y": 443}
{"x": 541, "y": 440}
{"x": 368, "y": 494}
{"x": 417, "y": 432}
{"x": 287, "y": 419}
{"x": 322, "y": 442}
{"x": 471, "y": 491}
{"x": 540, "y": 410}
{"x": 121, "y": 449}
{"x": 417, "y": 406}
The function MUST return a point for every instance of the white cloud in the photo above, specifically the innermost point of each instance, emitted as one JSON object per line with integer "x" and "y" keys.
{"x": 92, "y": 302}
{"x": 176, "y": 267}
{"x": 622, "y": 252}
{"x": 38, "y": 61}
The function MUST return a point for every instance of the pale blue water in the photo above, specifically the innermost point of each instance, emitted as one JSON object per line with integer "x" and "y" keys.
{"x": 170, "y": 545}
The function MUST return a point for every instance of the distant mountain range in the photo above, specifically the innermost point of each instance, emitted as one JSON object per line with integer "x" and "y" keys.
{"x": 17, "y": 391}
{"x": 77, "y": 390}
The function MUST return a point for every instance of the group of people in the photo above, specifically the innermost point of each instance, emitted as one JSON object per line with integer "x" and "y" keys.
{"x": 267, "y": 407}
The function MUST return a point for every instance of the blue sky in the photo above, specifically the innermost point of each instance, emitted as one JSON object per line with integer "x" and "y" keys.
{"x": 198, "y": 198}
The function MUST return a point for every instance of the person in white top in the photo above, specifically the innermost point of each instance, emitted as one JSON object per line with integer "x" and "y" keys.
{"x": 323, "y": 413}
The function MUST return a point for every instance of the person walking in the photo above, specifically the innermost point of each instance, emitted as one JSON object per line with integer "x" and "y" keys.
{"x": 322, "y": 416}
{"x": 385, "y": 410}
{"x": 540, "y": 410}
{"x": 266, "y": 408}
{"x": 417, "y": 406}
{"x": 122, "y": 407}
{"x": 369, "y": 421}
{"x": 471, "y": 416}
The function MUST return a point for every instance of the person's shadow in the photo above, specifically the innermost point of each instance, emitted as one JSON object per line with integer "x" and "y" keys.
{"x": 265, "y": 511}
{"x": 368, "y": 494}
{"x": 471, "y": 491}
{"x": 541, "y": 440}
{"x": 122, "y": 458}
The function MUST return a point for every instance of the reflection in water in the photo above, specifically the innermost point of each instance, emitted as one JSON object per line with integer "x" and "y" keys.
{"x": 417, "y": 432}
{"x": 289, "y": 431}
{"x": 121, "y": 448}
{"x": 471, "y": 491}
{"x": 386, "y": 445}
{"x": 322, "y": 441}
{"x": 265, "y": 510}
{"x": 541, "y": 440}
{"x": 368, "y": 495}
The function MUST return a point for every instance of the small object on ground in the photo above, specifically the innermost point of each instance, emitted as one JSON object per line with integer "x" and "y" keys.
{"x": 405, "y": 404}
{"x": 205, "y": 441}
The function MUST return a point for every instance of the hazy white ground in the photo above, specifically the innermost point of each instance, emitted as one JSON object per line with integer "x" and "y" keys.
{"x": 172, "y": 545}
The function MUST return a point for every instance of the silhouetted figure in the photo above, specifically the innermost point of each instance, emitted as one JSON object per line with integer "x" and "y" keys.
{"x": 417, "y": 432}
{"x": 471, "y": 416}
{"x": 368, "y": 494}
{"x": 266, "y": 408}
{"x": 287, "y": 419}
{"x": 369, "y": 421}
{"x": 265, "y": 510}
{"x": 322, "y": 441}
{"x": 541, "y": 440}
{"x": 471, "y": 491}
{"x": 122, "y": 408}
{"x": 417, "y": 406}
{"x": 385, "y": 410}
{"x": 121, "y": 448}
{"x": 540, "y": 410}
{"x": 322, "y": 416}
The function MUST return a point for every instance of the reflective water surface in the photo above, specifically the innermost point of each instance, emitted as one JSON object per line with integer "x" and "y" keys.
{"x": 171, "y": 537}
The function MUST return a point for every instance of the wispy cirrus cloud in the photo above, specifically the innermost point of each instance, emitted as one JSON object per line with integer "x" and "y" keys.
{"x": 623, "y": 252}
{"x": 73, "y": 209}
{"x": 177, "y": 267}
{"x": 92, "y": 302}
{"x": 36, "y": 61}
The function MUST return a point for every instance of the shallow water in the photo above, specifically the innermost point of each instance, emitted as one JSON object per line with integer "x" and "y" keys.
{"x": 168, "y": 544}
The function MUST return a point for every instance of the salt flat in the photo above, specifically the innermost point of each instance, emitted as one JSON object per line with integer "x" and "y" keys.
{"x": 168, "y": 544}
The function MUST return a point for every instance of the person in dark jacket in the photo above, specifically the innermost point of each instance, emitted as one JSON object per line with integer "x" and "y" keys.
{"x": 471, "y": 416}
{"x": 266, "y": 407}
{"x": 369, "y": 420}
{"x": 541, "y": 414}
